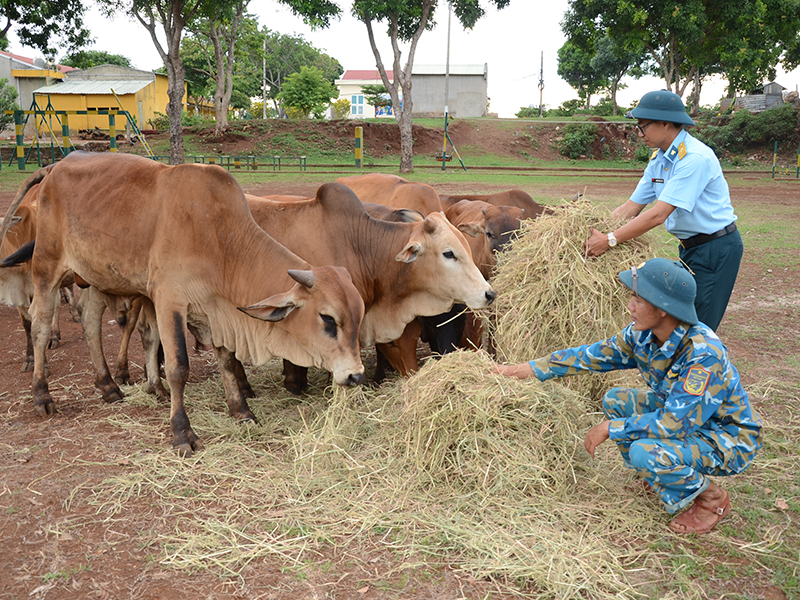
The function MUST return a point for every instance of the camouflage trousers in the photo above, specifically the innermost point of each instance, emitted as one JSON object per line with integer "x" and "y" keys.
{"x": 676, "y": 468}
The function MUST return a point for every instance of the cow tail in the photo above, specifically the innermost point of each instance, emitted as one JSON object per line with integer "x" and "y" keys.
{"x": 23, "y": 190}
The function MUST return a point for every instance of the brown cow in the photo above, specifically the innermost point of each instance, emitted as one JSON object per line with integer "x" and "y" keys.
{"x": 394, "y": 191}
{"x": 490, "y": 229}
{"x": 16, "y": 285}
{"x": 401, "y": 269}
{"x": 184, "y": 237}
{"x": 516, "y": 198}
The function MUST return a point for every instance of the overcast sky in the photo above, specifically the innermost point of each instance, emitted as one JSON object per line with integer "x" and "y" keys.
{"x": 511, "y": 41}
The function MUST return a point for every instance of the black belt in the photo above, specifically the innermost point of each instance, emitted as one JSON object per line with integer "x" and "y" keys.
{"x": 702, "y": 238}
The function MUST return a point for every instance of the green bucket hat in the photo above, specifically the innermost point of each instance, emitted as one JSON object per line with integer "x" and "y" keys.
{"x": 667, "y": 285}
{"x": 661, "y": 106}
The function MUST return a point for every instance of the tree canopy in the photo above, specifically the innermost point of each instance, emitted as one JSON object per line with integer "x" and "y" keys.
{"x": 694, "y": 38}
{"x": 45, "y": 25}
{"x": 405, "y": 20}
{"x": 308, "y": 92}
{"x": 86, "y": 59}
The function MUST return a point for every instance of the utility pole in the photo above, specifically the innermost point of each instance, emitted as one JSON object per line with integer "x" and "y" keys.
{"x": 446, "y": 88}
{"x": 264, "y": 82}
{"x": 541, "y": 84}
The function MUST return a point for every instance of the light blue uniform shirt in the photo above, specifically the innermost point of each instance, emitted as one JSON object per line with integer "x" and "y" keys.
{"x": 693, "y": 184}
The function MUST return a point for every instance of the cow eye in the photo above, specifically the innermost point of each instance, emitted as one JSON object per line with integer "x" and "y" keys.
{"x": 489, "y": 235}
{"x": 330, "y": 325}
{"x": 449, "y": 254}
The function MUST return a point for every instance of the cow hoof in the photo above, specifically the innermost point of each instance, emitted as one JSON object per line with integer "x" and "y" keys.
{"x": 113, "y": 396}
{"x": 247, "y": 418}
{"x": 122, "y": 379}
{"x": 27, "y": 366}
{"x": 54, "y": 343}
{"x": 187, "y": 449}
{"x": 44, "y": 408}
{"x": 294, "y": 388}
{"x": 184, "y": 450}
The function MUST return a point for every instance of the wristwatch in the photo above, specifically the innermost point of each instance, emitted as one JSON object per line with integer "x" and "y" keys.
{"x": 612, "y": 240}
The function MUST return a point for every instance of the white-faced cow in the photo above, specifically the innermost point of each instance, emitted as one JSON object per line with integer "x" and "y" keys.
{"x": 183, "y": 236}
{"x": 401, "y": 269}
{"x": 394, "y": 191}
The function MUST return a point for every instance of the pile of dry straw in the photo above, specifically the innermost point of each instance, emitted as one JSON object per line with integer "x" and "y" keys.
{"x": 455, "y": 464}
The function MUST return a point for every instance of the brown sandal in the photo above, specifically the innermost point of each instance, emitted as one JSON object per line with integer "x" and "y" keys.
{"x": 689, "y": 522}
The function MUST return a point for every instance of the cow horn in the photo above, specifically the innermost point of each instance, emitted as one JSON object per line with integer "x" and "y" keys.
{"x": 304, "y": 278}
{"x": 429, "y": 225}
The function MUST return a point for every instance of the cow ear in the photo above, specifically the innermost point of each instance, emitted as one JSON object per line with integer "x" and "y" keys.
{"x": 409, "y": 253}
{"x": 304, "y": 278}
{"x": 472, "y": 229}
{"x": 275, "y": 308}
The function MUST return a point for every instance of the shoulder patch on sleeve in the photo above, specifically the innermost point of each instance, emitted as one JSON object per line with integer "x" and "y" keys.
{"x": 654, "y": 154}
{"x": 681, "y": 150}
{"x": 696, "y": 381}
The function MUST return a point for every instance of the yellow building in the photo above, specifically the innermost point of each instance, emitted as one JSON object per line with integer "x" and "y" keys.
{"x": 141, "y": 93}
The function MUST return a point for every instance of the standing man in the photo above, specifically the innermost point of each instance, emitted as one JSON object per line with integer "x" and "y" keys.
{"x": 695, "y": 419}
{"x": 692, "y": 199}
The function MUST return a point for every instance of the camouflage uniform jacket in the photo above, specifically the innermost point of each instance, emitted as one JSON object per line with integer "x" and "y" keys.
{"x": 698, "y": 388}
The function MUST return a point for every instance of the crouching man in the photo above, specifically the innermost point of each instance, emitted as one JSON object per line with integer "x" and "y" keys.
{"x": 695, "y": 419}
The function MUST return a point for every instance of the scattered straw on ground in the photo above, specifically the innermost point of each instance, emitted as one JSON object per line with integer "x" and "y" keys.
{"x": 453, "y": 462}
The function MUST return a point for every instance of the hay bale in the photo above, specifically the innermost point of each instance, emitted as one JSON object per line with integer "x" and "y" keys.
{"x": 550, "y": 296}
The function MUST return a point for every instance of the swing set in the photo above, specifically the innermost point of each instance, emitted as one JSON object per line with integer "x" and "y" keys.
{"x": 43, "y": 118}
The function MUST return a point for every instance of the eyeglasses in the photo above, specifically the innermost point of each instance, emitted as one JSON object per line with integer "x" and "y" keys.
{"x": 635, "y": 271}
{"x": 641, "y": 128}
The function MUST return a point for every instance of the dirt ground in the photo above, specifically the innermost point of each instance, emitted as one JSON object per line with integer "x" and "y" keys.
{"x": 56, "y": 546}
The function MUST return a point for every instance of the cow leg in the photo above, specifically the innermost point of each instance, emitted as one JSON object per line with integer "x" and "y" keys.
{"x": 55, "y": 328}
{"x": 68, "y": 296}
{"x": 151, "y": 342}
{"x": 174, "y": 331}
{"x": 295, "y": 379}
{"x": 228, "y": 367}
{"x": 127, "y": 322}
{"x": 27, "y": 366}
{"x": 402, "y": 353}
{"x": 444, "y": 332}
{"x": 241, "y": 379}
{"x": 93, "y": 303}
{"x": 381, "y": 365}
{"x": 42, "y": 308}
{"x": 473, "y": 332}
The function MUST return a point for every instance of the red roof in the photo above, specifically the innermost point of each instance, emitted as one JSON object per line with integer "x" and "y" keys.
{"x": 29, "y": 62}
{"x": 366, "y": 74}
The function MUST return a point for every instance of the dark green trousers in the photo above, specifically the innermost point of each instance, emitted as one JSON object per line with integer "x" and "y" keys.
{"x": 715, "y": 265}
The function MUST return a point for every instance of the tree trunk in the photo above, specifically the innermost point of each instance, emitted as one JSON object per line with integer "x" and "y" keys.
{"x": 401, "y": 78}
{"x": 173, "y": 19}
{"x": 404, "y": 122}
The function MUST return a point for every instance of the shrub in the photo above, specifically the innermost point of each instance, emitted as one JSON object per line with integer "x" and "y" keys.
{"x": 576, "y": 139}
{"x": 341, "y": 108}
{"x": 528, "y": 112}
{"x": 8, "y": 101}
{"x": 744, "y": 129}
{"x": 568, "y": 108}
